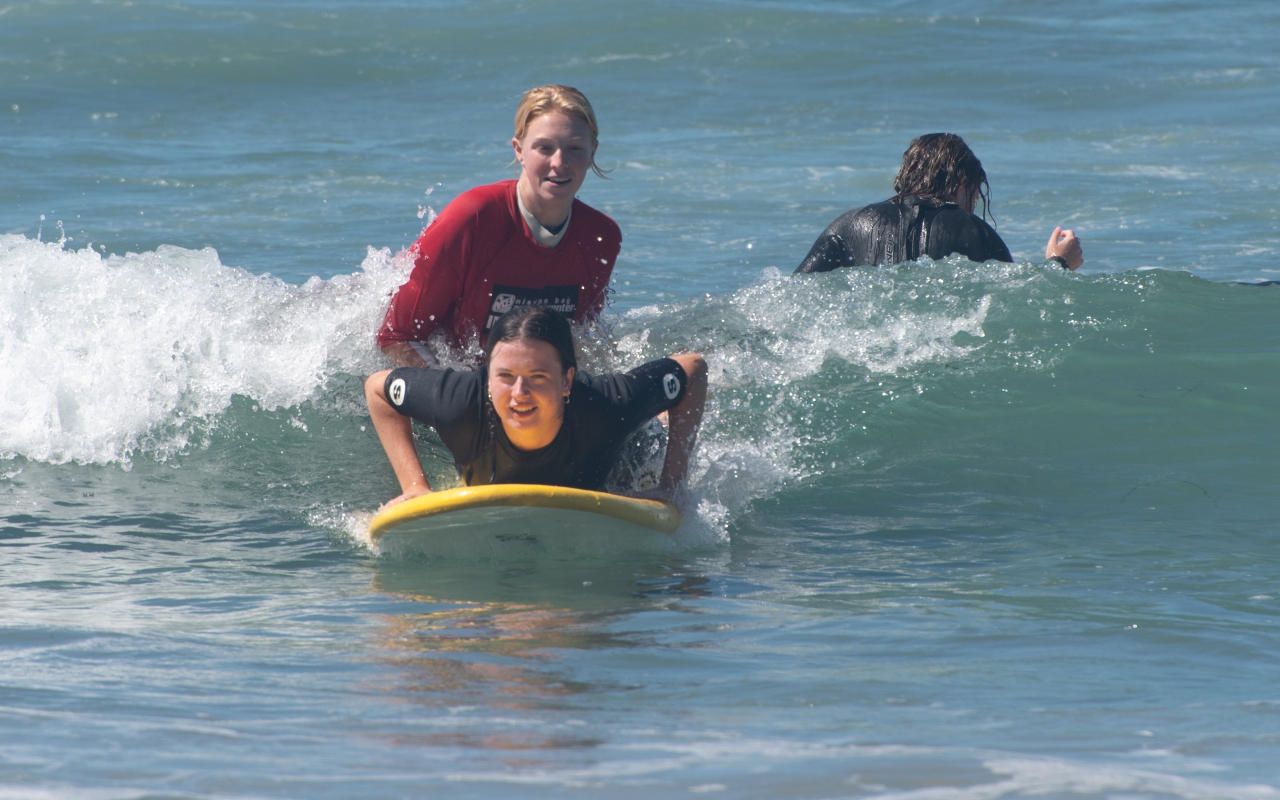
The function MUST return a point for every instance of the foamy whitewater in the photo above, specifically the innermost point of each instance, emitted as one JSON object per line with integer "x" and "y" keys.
{"x": 953, "y": 530}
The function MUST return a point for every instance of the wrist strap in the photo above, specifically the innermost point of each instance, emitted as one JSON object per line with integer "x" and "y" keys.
{"x": 1062, "y": 262}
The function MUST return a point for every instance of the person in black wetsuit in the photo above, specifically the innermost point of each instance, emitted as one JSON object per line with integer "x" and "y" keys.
{"x": 530, "y": 416}
{"x": 931, "y": 215}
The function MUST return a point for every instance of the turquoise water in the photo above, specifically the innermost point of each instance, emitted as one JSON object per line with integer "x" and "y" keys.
{"x": 956, "y": 531}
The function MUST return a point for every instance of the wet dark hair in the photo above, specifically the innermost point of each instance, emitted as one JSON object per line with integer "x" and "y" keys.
{"x": 538, "y": 323}
{"x": 936, "y": 166}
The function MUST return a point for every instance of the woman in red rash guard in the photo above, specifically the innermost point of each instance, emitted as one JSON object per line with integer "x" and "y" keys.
{"x": 511, "y": 243}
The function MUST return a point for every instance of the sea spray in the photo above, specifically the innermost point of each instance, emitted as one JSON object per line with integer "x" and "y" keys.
{"x": 816, "y": 380}
{"x": 104, "y": 356}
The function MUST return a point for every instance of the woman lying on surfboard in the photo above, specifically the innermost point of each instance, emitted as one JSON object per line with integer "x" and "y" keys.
{"x": 530, "y": 416}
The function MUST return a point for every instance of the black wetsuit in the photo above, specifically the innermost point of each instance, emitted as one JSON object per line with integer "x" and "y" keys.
{"x": 890, "y": 233}
{"x": 602, "y": 413}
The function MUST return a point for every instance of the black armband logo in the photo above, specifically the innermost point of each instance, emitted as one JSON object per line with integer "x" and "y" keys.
{"x": 396, "y": 393}
{"x": 671, "y": 385}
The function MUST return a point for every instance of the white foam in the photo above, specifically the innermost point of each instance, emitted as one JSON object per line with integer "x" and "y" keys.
{"x": 1160, "y": 171}
{"x": 771, "y": 336}
{"x": 881, "y": 321}
{"x": 101, "y": 356}
{"x": 1016, "y": 775}
{"x": 69, "y": 792}
{"x": 1047, "y": 777}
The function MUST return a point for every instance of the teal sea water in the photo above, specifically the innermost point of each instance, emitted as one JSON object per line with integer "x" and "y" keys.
{"x": 955, "y": 530}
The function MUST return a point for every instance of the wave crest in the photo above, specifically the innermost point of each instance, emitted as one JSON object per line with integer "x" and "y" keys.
{"x": 101, "y": 356}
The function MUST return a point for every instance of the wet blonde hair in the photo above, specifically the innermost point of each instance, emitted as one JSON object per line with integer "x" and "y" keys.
{"x": 542, "y": 100}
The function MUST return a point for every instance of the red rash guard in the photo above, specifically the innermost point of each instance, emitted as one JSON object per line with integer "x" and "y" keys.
{"x": 477, "y": 261}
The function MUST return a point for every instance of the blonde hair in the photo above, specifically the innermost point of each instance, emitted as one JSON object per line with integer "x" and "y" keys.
{"x": 542, "y": 100}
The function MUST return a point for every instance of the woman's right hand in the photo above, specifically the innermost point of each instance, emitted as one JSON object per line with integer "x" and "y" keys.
{"x": 415, "y": 491}
{"x": 395, "y": 431}
{"x": 1065, "y": 245}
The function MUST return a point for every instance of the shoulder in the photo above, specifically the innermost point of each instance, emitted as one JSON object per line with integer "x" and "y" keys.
{"x": 984, "y": 226}
{"x": 956, "y": 230}
{"x": 434, "y": 395}
{"x": 885, "y": 209}
{"x": 844, "y": 242}
{"x": 483, "y": 208}
{"x": 489, "y": 198}
{"x": 957, "y": 218}
{"x": 435, "y": 378}
{"x": 596, "y": 224}
{"x": 661, "y": 378}
{"x": 996, "y": 248}
{"x": 864, "y": 215}
{"x": 860, "y": 222}
{"x": 954, "y": 216}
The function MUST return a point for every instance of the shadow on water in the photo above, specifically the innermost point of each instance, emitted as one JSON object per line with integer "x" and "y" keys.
{"x": 624, "y": 583}
{"x": 506, "y": 635}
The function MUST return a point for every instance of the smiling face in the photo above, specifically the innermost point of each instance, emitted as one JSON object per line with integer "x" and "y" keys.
{"x": 528, "y": 387}
{"x": 554, "y": 157}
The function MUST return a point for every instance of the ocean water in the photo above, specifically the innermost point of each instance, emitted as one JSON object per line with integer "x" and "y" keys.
{"x": 954, "y": 530}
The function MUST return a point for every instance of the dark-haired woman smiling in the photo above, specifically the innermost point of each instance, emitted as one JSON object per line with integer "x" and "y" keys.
{"x": 529, "y": 416}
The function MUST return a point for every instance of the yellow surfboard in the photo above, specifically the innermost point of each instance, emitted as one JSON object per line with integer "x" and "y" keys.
{"x": 518, "y": 512}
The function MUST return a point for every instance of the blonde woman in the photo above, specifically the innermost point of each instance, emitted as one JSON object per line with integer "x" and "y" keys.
{"x": 525, "y": 242}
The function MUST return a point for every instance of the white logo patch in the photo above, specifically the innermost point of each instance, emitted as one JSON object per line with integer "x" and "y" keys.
{"x": 397, "y": 391}
{"x": 671, "y": 385}
{"x": 504, "y": 303}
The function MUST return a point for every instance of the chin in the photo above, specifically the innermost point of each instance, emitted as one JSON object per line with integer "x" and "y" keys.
{"x": 530, "y": 423}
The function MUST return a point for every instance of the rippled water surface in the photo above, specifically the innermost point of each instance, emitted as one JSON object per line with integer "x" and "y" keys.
{"x": 955, "y": 530}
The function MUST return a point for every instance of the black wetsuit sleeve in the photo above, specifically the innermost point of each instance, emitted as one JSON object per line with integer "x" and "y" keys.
{"x": 639, "y": 395}
{"x": 995, "y": 246}
{"x": 839, "y": 245}
{"x": 826, "y": 254}
{"x": 446, "y": 399}
{"x": 863, "y": 237}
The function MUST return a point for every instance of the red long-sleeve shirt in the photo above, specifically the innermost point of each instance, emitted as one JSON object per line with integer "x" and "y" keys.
{"x": 478, "y": 260}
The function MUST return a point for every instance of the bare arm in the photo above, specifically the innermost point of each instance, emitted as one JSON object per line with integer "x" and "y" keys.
{"x": 402, "y": 354}
{"x": 395, "y": 431}
{"x": 685, "y": 417}
{"x": 1065, "y": 245}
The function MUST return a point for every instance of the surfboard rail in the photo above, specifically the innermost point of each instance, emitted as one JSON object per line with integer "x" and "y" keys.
{"x": 653, "y": 514}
